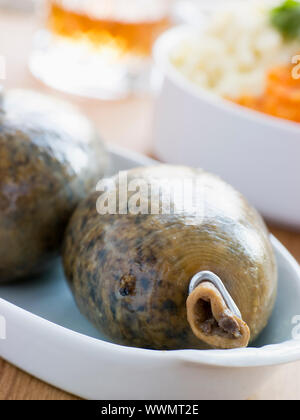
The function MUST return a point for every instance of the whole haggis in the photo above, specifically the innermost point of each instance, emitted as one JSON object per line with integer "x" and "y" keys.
{"x": 130, "y": 273}
{"x": 50, "y": 159}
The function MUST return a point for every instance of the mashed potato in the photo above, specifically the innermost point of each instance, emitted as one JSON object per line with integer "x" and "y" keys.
{"x": 232, "y": 55}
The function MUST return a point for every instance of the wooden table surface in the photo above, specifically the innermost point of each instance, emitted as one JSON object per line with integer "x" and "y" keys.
{"x": 133, "y": 131}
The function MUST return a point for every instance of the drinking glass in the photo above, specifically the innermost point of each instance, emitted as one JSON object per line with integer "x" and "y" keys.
{"x": 98, "y": 48}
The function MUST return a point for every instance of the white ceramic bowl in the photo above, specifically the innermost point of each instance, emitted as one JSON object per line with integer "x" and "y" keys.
{"x": 257, "y": 153}
{"x": 49, "y": 338}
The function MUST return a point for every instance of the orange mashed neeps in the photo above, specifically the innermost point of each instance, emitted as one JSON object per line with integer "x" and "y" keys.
{"x": 281, "y": 97}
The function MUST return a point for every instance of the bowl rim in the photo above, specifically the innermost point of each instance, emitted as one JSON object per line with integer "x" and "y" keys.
{"x": 161, "y": 51}
{"x": 271, "y": 355}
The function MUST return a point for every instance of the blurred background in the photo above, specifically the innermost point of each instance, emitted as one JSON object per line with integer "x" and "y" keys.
{"x": 96, "y": 53}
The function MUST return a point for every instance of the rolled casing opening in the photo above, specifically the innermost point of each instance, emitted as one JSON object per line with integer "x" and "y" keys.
{"x": 212, "y": 321}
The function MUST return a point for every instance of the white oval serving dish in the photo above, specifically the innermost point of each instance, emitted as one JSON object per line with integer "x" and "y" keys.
{"x": 50, "y": 339}
{"x": 256, "y": 153}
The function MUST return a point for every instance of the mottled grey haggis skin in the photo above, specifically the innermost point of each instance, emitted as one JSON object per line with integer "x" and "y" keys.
{"x": 130, "y": 274}
{"x": 50, "y": 159}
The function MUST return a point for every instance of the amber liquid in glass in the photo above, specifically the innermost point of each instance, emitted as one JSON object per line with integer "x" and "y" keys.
{"x": 99, "y": 48}
{"x": 133, "y": 37}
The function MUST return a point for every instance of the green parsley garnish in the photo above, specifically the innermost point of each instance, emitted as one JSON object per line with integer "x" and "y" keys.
{"x": 286, "y": 19}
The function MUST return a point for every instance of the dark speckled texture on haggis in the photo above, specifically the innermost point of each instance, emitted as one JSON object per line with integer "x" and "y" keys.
{"x": 50, "y": 159}
{"x": 130, "y": 274}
